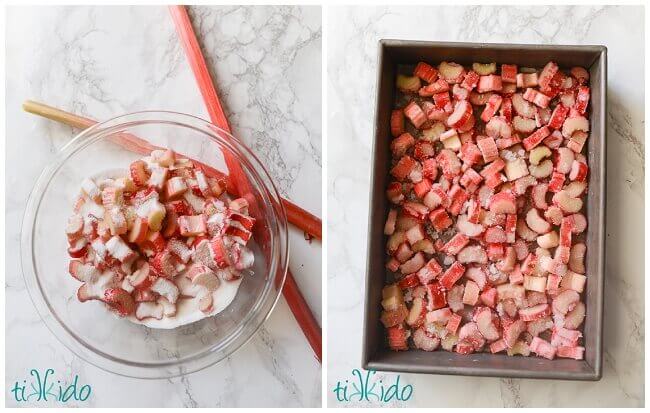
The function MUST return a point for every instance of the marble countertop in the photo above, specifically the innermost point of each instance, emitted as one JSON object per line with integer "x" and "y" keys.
{"x": 105, "y": 61}
{"x": 353, "y": 33}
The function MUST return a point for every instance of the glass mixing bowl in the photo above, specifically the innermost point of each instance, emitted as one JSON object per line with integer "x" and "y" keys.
{"x": 89, "y": 329}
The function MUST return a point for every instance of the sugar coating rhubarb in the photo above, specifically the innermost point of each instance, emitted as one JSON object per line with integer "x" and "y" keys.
{"x": 485, "y": 233}
{"x": 163, "y": 233}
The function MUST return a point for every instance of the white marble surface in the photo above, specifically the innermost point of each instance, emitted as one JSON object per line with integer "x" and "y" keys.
{"x": 352, "y": 54}
{"x": 105, "y": 61}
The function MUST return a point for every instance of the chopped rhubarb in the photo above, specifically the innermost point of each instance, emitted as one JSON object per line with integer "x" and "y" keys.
{"x": 490, "y": 210}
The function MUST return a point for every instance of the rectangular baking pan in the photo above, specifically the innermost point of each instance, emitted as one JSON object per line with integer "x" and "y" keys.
{"x": 375, "y": 353}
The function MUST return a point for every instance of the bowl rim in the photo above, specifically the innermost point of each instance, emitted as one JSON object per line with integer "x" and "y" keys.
{"x": 196, "y": 361}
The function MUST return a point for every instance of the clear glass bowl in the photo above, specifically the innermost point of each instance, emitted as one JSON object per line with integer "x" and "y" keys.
{"x": 89, "y": 329}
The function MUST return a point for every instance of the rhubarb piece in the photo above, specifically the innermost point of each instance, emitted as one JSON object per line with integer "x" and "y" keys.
{"x": 163, "y": 264}
{"x": 166, "y": 289}
{"x": 451, "y": 72}
{"x": 389, "y": 227}
{"x": 547, "y": 75}
{"x": 573, "y": 281}
{"x": 472, "y": 254}
{"x": 78, "y": 248}
{"x": 413, "y": 264}
{"x": 524, "y": 125}
{"x": 580, "y": 73}
{"x": 415, "y": 114}
{"x": 429, "y": 271}
{"x": 461, "y": 115}
{"x": 112, "y": 196}
{"x": 567, "y": 203}
{"x": 425, "y": 72}
{"x": 469, "y": 334}
{"x": 431, "y": 89}
{"x": 147, "y": 309}
{"x": 75, "y": 226}
{"x": 576, "y": 258}
{"x": 485, "y": 322}
{"x": 525, "y": 80}
{"x": 488, "y": 149}
{"x": 577, "y": 141}
{"x": 470, "y": 81}
{"x": 543, "y": 170}
{"x": 512, "y": 331}
{"x": 416, "y": 313}
{"x": 536, "y": 138}
{"x": 120, "y": 301}
{"x": 455, "y": 244}
{"x": 484, "y": 69}
{"x": 394, "y": 317}
{"x": 82, "y": 272}
{"x": 576, "y": 353}
{"x": 141, "y": 277}
{"x": 553, "y": 266}
{"x": 579, "y": 171}
{"x": 437, "y": 297}
{"x": 582, "y": 100}
{"x": 453, "y": 274}
{"x": 139, "y": 173}
{"x": 573, "y": 124}
{"x": 425, "y": 342}
{"x": 491, "y": 107}
{"x": 489, "y": 83}
{"x": 509, "y": 73}
{"x": 467, "y": 228}
{"x": 440, "y": 316}
{"x": 397, "y": 123}
{"x": 192, "y": 225}
{"x": 401, "y": 144}
{"x": 536, "y": 222}
{"x": 565, "y": 302}
{"x": 548, "y": 240}
{"x": 498, "y": 127}
{"x": 403, "y": 167}
{"x": 516, "y": 169}
{"x": 522, "y": 107}
{"x": 542, "y": 348}
{"x": 397, "y": 338}
{"x": 503, "y": 203}
{"x": 575, "y": 317}
{"x": 471, "y": 293}
{"x": 91, "y": 189}
{"x": 535, "y": 284}
{"x": 558, "y": 116}
{"x": 408, "y": 84}
{"x": 536, "y": 97}
{"x": 119, "y": 249}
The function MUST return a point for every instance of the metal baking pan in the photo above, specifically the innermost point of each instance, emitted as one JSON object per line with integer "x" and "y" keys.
{"x": 375, "y": 353}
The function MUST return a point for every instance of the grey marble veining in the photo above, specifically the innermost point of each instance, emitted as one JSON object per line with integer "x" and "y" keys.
{"x": 106, "y": 61}
{"x": 353, "y": 33}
